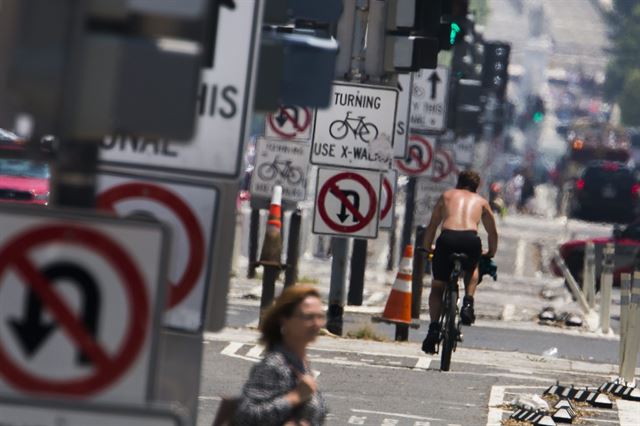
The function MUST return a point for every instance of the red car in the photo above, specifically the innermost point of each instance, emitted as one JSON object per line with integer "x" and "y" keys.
{"x": 627, "y": 243}
{"x": 21, "y": 181}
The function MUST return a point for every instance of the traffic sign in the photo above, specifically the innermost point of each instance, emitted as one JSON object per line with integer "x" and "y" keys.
{"x": 189, "y": 210}
{"x": 281, "y": 163}
{"x": 444, "y": 167}
{"x": 18, "y": 412}
{"x": 101, "y": 282}
{"x": 347, "y": 203}
{"x": 387, "y": 197}
{"x": 464, "y": 149}
{"x": 405, "y": 83}
{"x": 429, "y": 100}
{"x": 222, "y": 112}
{"x": 290, "y": 122}
{"x": 420, "y": 153}
{"x": 427, "y": 193}
{"x": 357, "y": 129}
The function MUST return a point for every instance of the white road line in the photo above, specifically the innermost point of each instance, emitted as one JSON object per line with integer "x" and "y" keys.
{"x": 231, "y": 348}
{"x": 496, "y": 397}
{"x": 253, "y": 324}
{"x": 520, "y": 257}
{"x": 209, "y": 398}
{"x": 423, "y": 363}
{"x": 628, "y": 412}
{"x": 385, "y": 413}
{"x": 508, "y": 311}
{"x": 255, "y": 352}
{"x": 598, "y": 421}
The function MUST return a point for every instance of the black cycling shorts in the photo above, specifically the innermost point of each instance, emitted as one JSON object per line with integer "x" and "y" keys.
{"x": 450, "y": 242}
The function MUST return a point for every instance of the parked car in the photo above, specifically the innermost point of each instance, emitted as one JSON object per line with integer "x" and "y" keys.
{"x": 606, "y": 191}
{"x": 627, "y": 242}
{"x": 22, "y": 181}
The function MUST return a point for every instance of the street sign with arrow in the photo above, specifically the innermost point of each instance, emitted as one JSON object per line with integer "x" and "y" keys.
{"x": 290, "y": 122}
{"x": 429, "y": 100}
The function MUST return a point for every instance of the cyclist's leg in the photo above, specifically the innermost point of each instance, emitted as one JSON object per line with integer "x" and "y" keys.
{"x": 435, "y": 300}
{"x": 471, "y": 282}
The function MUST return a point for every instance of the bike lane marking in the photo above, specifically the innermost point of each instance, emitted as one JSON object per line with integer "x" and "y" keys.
{"x": 108, "y": 369}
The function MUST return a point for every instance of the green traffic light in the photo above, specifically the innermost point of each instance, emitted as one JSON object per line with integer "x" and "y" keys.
{"x": 537, "y": 117}
{"x": 455, "y": 29}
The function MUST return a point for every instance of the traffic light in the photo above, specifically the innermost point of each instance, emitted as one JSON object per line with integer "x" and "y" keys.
{"x": 90, "y": 68}
{"x": 413, "y": 28}
{"x": 467, "y": 102}
{"x": 297, "y": 53}
{"x": 454, "y": 23}
{"x": 495, "y": 75}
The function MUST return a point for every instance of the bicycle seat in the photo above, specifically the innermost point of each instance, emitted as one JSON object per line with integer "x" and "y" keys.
{"x": 458, "y": 256}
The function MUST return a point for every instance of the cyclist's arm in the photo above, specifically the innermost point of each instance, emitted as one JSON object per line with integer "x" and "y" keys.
{"x": 489, "y": 223}
{"x": 436, "y": 219}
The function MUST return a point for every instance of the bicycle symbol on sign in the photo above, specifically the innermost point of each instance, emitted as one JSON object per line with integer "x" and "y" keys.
{"x": 366, "y": 131}
{"x": 269, "y": 171}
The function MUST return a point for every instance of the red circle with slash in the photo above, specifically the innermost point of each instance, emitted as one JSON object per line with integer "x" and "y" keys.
{"x": 386, "y": 186}
{"x": 297, "y": 127}
{"x": 446, "y": 170}
{"x": 108, "y": 368}
{"x": 187, "y": 281}
{"x": 331, "y": 186}
{"x": 421, "y": 163}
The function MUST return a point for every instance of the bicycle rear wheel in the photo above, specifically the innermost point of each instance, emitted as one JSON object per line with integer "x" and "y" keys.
{"x": 449, "y": 330}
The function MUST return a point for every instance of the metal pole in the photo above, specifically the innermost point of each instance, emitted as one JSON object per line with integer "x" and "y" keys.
{"x": 269, "y": 277}
{"x": 589, "y": 274}
{"x": 625, "y": 298}
{"x": 358, "y": 264}
{"x": 73, "y": 177}
{"x": 376, "y": 28}
{"x": 632, "y": 339}
{"x": 344, "y": 35}
{"x": 339, "y": 249}
{"x": 606, "y": 283}
{"x": 419, "y": 262}
{"x": 407, "y": 226}
{"x": 402, "y": 332}
{"x": 573, "y": 286}
{"x": 293, "y": 248}
{"x": 254, "y": 229}
{"x": 392, "y": 244}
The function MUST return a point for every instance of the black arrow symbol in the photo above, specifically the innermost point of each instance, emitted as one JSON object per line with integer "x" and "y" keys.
{"x": 31, "y": 331}
{"x": 343, "y": 215}
{"x": 284, "y": 115}
{"x": 434, "y": 79}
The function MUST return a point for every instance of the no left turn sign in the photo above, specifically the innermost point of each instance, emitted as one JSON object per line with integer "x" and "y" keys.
{"x": 347, "y": 203}
{"x": 387, "y": 195}
{"x": 100, "y": 348}
{"x": 419, "y": 157}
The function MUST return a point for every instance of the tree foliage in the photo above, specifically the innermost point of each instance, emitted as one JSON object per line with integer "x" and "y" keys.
{"x": 623, "y": 71}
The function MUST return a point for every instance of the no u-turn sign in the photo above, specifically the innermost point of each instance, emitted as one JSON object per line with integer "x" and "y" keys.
{"x": 80, "y": 299}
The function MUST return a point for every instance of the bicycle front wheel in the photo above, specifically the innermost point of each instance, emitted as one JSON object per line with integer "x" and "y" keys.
{"x": 295, "y": 175}
{"x": 368, "y": 132}
{"x": 267, "y": 171}
{"x": 449, "y": 330}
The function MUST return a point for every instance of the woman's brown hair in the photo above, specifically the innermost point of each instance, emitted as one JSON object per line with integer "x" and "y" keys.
{"x": 284, "y": 307}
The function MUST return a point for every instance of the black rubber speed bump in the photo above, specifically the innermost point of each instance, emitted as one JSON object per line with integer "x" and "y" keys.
{"x": 564, "y": 415}
{"x": 625, "y": 392}
{"x": 595, "y": 398}
{"x": 537, "y": 418}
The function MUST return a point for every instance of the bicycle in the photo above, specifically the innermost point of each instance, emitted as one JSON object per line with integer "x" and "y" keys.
{"x": 366, "y": 131}
{"x": 450, "y": 325}
{"x": 269, "y": 171}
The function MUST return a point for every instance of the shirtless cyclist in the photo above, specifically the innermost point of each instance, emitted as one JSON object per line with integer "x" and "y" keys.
{"x": 459, "y": 210}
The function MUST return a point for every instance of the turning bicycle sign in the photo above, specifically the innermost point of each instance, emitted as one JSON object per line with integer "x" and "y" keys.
{"x": 357, "y": 130}
{"x": 80, "y": 296}
{"x": 280, "y": 163}
{"x": 290, "y": 122}
{"x": 347, "y": 203}
{"x": 420, "y": 153}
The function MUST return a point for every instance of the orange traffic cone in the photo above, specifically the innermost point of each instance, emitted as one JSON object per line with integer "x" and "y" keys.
{"x": 398, "y": 307}
{"x": 272, "y": 245}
